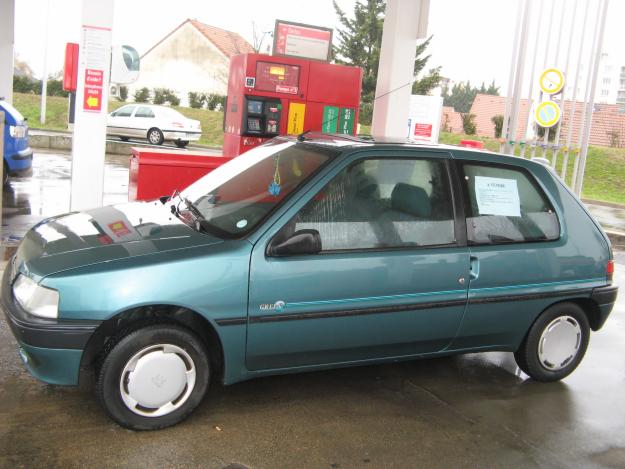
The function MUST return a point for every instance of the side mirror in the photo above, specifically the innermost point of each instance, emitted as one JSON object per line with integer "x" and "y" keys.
{"x": 300, "y": 242}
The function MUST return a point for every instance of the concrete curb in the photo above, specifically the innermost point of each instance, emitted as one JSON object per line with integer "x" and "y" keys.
{"x": 59, "y": 140}
{"x": 617, "y": 238}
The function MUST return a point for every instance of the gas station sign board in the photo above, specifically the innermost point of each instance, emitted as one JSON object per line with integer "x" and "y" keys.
{"x": 302, "y": 40}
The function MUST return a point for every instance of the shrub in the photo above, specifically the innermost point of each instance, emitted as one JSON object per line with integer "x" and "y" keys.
{"x": 215, "y": 101}
{"x": 498, "y": 122}
{"x": 615, "y": 138}
{"x": 123, "y": 93}
{"x": 196, "y": 100}
{"x": 142, "y": 95}
{"x": 468, "y": 123}
{"x": 165, "y": 96}
{"x": 366, "y": 113}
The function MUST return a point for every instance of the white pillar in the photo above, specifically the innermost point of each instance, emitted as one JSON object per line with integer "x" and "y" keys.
{"x": 7, "y": 29}
{"x": 405, "y": 21}
{"x": 89, "y": 142}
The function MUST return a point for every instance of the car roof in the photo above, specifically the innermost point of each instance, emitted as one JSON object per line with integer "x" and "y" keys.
{"x": 347, "y": 142}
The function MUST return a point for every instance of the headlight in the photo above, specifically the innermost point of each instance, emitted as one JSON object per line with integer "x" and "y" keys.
{"x": 17, "y": 131}
{"x": 35, "y": 299}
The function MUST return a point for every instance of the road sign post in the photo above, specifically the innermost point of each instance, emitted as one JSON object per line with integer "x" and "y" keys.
{"x": 89, "y": 141}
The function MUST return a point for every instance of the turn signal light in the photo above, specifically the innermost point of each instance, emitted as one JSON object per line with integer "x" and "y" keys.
{"x": 609, "y": 270}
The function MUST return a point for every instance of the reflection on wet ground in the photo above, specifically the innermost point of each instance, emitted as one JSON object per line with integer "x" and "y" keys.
{"x": 46, "y": 193}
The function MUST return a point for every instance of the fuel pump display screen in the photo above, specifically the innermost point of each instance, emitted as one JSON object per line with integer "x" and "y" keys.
{"x": 277, "y": 78}
{"x": 254, "y": 107}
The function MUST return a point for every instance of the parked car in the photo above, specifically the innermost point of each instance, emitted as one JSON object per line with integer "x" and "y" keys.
{"x": 304, "y": 255}
{"x": 18, "y": 156}
{"x": 156, "y": 123}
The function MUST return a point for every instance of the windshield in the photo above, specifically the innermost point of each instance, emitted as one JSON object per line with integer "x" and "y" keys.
{"x": 239, "y": 195}
{"x": 11, "y": 110}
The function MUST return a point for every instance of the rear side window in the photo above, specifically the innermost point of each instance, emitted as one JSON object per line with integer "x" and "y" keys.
{"x": 144, "y": 112}
{"x": 505, "y": 205}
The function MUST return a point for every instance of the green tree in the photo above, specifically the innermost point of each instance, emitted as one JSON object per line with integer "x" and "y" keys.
{"x": 498, "y": 123}
{"x": 123, "y": 93}
{"x": 468, "y": 123}
{"x": 462, "y": 95}
{"x": 360, "y": 39}
{"x": 142, "y": 95}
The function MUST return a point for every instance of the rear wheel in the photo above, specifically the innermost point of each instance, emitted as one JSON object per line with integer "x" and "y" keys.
{"x": 181, "y": 143}
{"x": 153, "y": 377}
{"x": 555, "y": 344}
{"x": 155, "y": 136}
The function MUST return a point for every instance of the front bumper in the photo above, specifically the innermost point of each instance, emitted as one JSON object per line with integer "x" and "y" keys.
{"x": 51, "y": 349}
{"x": 605, "y": 298}
{"x": 20, "y": 164}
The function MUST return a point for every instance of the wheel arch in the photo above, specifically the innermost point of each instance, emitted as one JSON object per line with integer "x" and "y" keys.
{"x": 135, "y": 318}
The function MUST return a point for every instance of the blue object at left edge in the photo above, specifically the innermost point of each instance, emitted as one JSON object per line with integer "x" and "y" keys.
{"x": 18, "y": 156}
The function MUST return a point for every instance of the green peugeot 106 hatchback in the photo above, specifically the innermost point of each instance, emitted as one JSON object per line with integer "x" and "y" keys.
{"x": 305, "y": 254}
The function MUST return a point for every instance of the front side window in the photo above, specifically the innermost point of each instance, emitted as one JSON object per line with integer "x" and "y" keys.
{"x": 126, "y": 111}
{"x": 382, "y": 203}
{"x": 505, "y": 206}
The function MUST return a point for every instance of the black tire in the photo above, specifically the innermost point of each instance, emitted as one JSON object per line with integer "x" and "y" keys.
{"x": 5, "y": 176}
{"x": 563, "y": 315}
{"x": 124, "y": 139}
{"x": 181, "y": 143}
{"x": 155, "y": 136}
{"x": 129, "y": 345}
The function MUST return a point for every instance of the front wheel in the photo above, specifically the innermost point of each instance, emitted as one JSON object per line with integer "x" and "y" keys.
{"x": 555, "y": 344}
{"x": 153, "y": 377}
{"x": 155, "y": 136}
{"x": 181, "y": 143}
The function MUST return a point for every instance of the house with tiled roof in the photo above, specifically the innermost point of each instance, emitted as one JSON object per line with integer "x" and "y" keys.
{"x": 193, "y": 57}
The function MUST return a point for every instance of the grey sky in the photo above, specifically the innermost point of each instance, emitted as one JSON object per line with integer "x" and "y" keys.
{"x": 472, "y": 39}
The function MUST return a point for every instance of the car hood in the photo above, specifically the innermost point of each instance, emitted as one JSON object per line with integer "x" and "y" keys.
{"x": 104, "y": 234}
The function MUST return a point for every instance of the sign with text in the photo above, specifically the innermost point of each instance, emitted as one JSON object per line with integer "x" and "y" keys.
{"x": 497, "y": 196}
{"x": 302, "y": 40}
{"x": 424, "y": 118}
{"x": 94, "y": 77}
{"x": 92, "y": 99}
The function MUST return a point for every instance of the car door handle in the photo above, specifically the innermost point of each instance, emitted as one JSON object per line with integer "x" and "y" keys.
{"x": 474, "y": 268}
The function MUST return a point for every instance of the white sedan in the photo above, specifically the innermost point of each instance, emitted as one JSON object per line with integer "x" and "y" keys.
{"x": 156, "y": 123}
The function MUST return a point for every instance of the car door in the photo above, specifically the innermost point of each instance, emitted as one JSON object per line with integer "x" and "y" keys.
{"x": 119, "y": 121}
{"x": 143, "y": 120}
{"x": 390, "y": 280}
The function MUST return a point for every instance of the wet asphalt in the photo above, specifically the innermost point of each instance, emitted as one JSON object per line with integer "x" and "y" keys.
{"x": 475, "y": 410}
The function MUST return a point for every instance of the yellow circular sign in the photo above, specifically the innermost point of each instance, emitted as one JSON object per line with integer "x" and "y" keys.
{"x": 547, "y": 114}
{"x": 551, "y": 81}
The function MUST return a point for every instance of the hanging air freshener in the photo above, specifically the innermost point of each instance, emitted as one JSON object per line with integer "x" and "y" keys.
{"x": 274, "y": 187}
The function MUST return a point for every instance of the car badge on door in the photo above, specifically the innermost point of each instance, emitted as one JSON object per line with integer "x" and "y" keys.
{"x": 278, "y": 306}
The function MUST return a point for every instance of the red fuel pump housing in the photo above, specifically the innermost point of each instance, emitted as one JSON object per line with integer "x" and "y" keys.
{"x": 271, "y": 95}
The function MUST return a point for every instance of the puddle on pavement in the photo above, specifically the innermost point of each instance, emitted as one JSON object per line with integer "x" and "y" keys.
{"x": 46, "y": 193}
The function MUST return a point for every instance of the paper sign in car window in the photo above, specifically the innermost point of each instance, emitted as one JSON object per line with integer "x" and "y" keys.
{"x": 496, "y": 196}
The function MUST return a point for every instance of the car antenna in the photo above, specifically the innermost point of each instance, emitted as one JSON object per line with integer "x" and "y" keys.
{"x": 301, "y": 137}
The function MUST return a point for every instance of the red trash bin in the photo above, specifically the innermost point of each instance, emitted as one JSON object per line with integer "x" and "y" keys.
{"x": 155, "y": 172}
{"x": 472, "y": 144}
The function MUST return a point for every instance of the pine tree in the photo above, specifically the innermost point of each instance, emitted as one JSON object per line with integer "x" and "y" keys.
{"x": 359, "y": 44}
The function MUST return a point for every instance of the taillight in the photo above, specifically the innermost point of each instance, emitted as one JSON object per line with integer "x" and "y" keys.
{"x": 609, "y": 270}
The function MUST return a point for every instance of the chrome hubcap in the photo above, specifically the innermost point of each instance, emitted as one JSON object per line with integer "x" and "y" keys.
{"x": 559, "y": 343}
{"x": 154, "y": 136}
{"x": 157, "y": 380}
